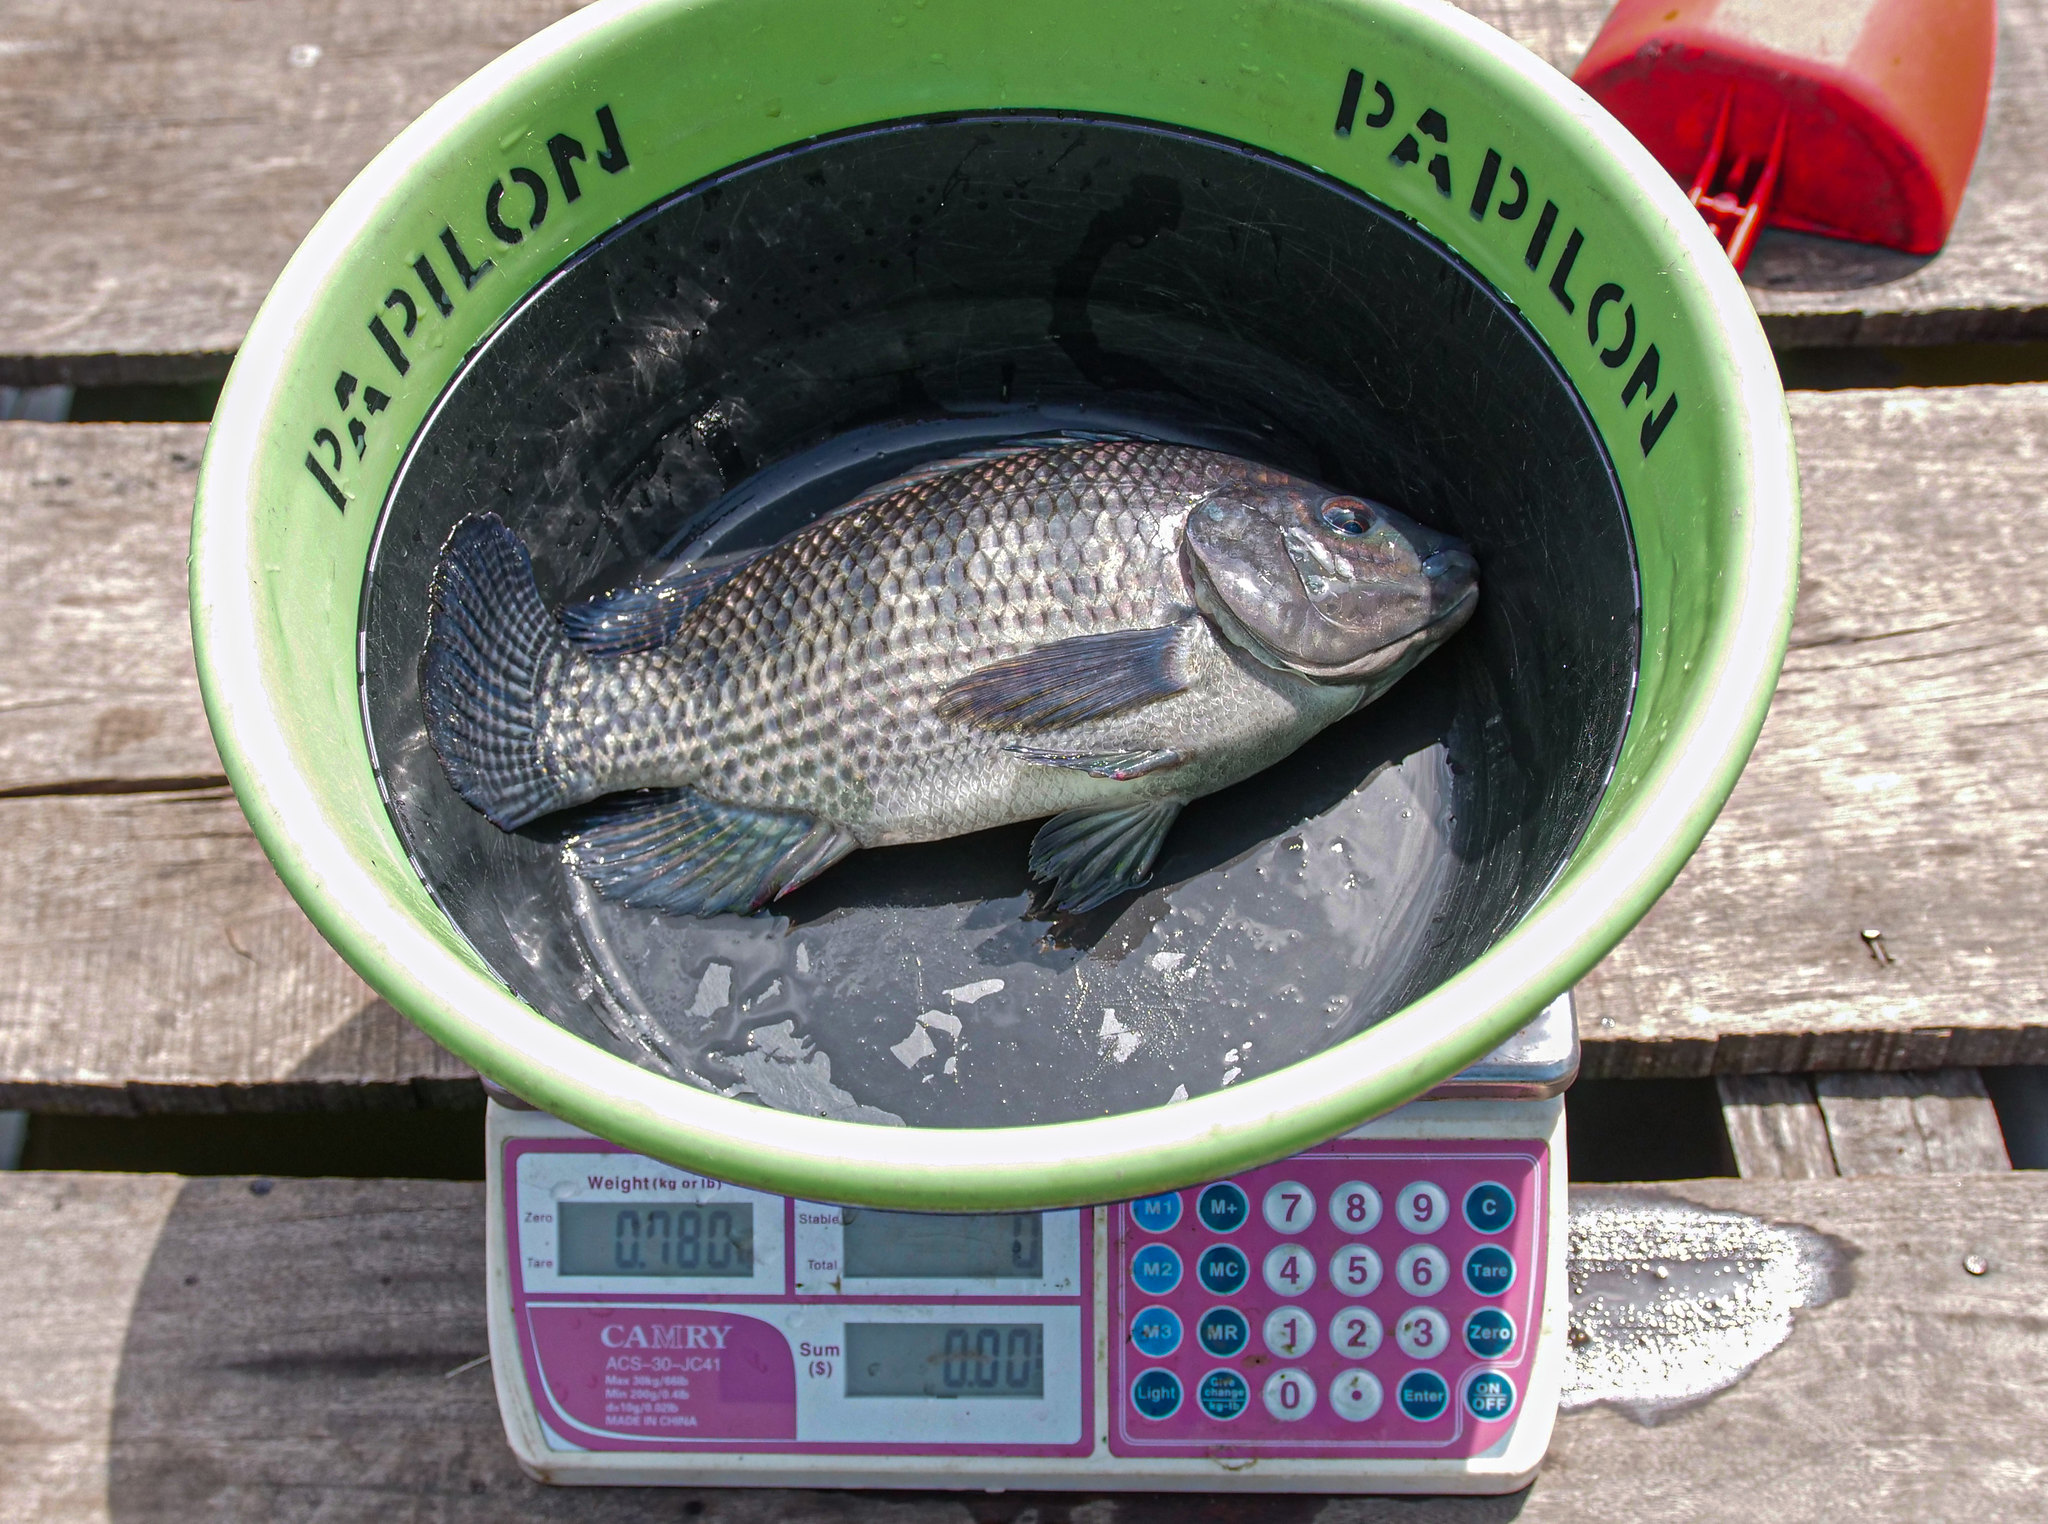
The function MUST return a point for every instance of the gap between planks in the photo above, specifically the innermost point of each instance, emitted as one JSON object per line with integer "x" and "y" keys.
{"x": 1804, "y": 1127}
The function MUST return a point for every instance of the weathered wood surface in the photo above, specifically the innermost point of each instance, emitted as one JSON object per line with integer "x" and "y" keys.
{"x": 160, "y": 163}
{"x": 1938, "y": 1123}
{"x": 199, "y": 1351}
{"x": 1900, "y": 784}
{"x": 1775, "y": 1127}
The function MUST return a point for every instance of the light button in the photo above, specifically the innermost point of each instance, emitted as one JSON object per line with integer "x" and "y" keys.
{"x": 1289, "y": 1207}
{"x": 1156, "y": 1394}
{"x": 1289, "y": 1394}
{"x": 1289, "y": 1332}
{"x": 1422, "y": 1333}
{"x": 1289, "y": 1269}
{"x": 1355, "y": 1395}
{"x": 1422, "y": 1270}
{"x": 1422, "y": 1207}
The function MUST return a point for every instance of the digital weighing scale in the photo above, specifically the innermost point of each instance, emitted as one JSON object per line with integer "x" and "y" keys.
{"x": 1381, "y": 1313}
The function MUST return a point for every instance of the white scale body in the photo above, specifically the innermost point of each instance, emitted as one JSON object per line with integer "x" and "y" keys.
{"x": 1381, "y": 1313}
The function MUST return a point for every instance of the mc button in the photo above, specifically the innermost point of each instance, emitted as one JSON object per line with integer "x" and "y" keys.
{"x": 1222, "y": 1270}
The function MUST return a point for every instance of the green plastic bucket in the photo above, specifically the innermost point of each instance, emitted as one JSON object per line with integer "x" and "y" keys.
{"x": 1479, "y": 150}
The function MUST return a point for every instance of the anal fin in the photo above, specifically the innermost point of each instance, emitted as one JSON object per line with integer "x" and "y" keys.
{"x": 675, "y": 850}
{"x": 1091, "y": 856}
{"x": 1118, "y": 766}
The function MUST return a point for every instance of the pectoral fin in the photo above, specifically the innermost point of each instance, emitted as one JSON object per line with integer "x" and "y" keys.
{"x": 1072, "y": 681}
{"x": 1092, "y": 856}
{"x": 675, "y": 850}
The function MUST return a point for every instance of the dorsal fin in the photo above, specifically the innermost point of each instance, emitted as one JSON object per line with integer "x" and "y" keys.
{"x": 1008, "y": 450}
{"x": 645, "y": 616}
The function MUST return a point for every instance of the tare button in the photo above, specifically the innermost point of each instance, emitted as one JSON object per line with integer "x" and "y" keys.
{"x": 1489, "y": 1270}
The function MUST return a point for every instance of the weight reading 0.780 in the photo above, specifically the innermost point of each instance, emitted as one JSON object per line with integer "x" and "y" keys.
{"x": 679, "y": 1239}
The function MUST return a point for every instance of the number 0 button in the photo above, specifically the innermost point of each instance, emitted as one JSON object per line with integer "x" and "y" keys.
{"x": 1290, "y": 1270}
{"x": 1289, "y": 1207}
{"x": 1422, "y": 1270}
{"x": 1289, "y": 1395}
{"x": 1422, "y": 1207}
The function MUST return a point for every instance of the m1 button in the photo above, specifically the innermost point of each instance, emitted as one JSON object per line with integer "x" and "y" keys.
{"x": 1155, "y": 1214}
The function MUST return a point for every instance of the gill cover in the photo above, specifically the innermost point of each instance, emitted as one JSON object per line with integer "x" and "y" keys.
{"x": 1332, "y": 587}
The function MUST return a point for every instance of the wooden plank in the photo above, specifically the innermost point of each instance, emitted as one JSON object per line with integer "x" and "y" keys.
{"x": 1775, "y": 1127}
{"x": 151, "y": 960}
{"x": 96, "y": 684}
{"x": 1900, "y": 785}
{"x": 160, "y": 163}
{"x": 300, "y": 1354}
{"x": 1929, "y": 1123}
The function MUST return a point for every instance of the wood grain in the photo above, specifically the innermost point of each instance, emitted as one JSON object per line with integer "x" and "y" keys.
{"x": 1928, "y": 1123}
{"x": 1900, "y": 785}
{"x": 97, "y": 690}
{"x": 299, "y": 1354}
{"x": 160, "y": 163}
{"x": 150, "y": 960}
{"x": 1775, "y": 1127}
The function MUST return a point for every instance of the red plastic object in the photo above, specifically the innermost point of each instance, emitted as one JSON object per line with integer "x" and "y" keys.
{"x": 1859, "y": 119}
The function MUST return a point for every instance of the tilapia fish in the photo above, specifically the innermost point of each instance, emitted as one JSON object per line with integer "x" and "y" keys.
{"x": 1098, "y": 630}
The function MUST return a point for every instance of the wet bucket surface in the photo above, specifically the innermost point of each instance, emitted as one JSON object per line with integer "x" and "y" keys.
{"x": 763, "y": 346}
{"x": 1585, "y": 308}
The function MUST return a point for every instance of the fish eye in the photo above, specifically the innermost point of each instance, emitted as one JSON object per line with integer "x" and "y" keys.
{"x": 1342, "y": 515}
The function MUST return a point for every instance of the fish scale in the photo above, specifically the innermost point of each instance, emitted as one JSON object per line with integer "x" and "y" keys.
{"x": 1039, "y": 630}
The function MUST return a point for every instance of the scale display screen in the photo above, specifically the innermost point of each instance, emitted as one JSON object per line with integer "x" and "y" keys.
{"x": 927, "y": 1246}
{"x": 945, "y": 1359}
{"x": 670, "y": 1240}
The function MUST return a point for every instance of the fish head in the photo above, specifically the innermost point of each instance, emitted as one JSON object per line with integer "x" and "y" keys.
{"x": 1330, "y": 586}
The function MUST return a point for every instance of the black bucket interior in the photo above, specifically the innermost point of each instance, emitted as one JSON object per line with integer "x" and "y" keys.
{"x": 753, "y": 351}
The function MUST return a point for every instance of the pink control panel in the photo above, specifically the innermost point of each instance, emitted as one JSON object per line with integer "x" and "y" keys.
{"x": 1366, "y": 1298}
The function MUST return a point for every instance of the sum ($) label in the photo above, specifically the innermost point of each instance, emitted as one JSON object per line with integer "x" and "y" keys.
{"x": 1426, "y": 145}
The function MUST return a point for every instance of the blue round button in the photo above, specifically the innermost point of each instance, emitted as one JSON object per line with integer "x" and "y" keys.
{"x": 1223, "y": 1208}
{"x": 1490, "y": 1333}
{"x": 1156, "y": 1394}
{"x": 1223, "y": 1394}
{"x": 1423, "y": 1395}
{"x": 1489, "y": 1269}
{"x": 1222, "y": 1269}
{"x": 1156, "y": 1332}
{"x": 1489, "y": 1207}
{"x": 1155, "y": 1269}
{"x": 1155, "y": 1214}
{"x": 1489, "y": 1396}
{"x": 1223, "y": 1331}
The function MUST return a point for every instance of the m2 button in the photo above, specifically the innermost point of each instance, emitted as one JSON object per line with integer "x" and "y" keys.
{"x": 1489, "y": 1207}
{"x": 1156, "y": 1394}
{"x": 1155, "y": 1269}
{"x": 1422, "y": 1207}
{"x": 1155, "y": 1214}
{"x": 1489, "y": 1270}
{"x": 1489, "y": 1396}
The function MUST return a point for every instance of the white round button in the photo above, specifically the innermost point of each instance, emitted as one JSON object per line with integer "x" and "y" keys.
{"x": 1354, "y": 1270}
{"x": 1355, "y": 1207}
{"x": 1290, "y": 1270}
{"x": 1289, "y": 1332}
{"x": 1290, "y": 1206}
{"x": 1355, "y": 1332}
{"x": 1355, "y": 1395}
{"x": 1422, "y": 1270}
{"x": 1289, "y": 1395}
{"x": 1423, "y": 1333}
{"x": 1422, "y": 1207}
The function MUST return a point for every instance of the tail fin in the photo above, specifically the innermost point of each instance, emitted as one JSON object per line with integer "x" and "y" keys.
{"x": 491, "y": 644}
